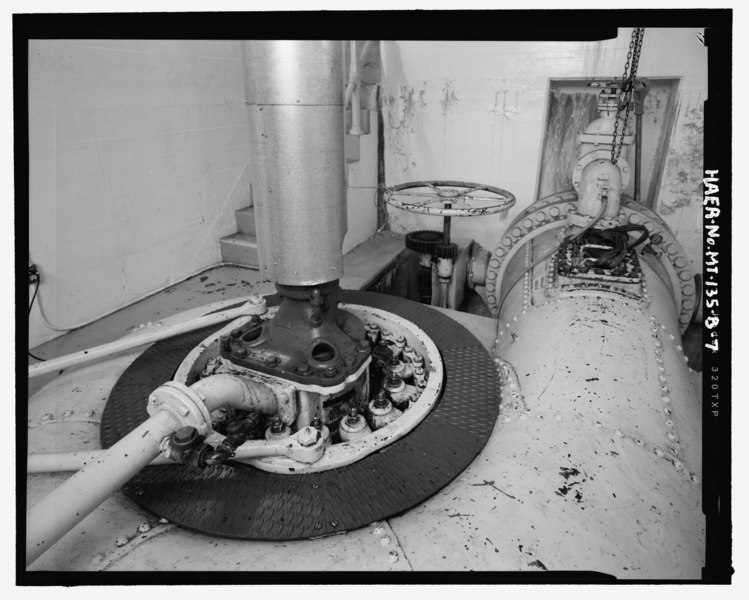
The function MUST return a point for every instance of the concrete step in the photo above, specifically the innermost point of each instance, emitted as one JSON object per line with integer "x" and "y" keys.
{"x": 245, "y": 218}
{"x": 240, "y": 249}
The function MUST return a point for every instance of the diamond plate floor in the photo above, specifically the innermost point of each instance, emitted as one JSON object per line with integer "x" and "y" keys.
{"x": 244, "y": 502}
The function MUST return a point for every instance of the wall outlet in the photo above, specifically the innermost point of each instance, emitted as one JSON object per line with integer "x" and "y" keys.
{"x": 33, "y": 274}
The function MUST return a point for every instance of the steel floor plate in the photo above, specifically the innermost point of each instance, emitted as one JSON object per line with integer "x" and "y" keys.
{"x": 247, "y": 503}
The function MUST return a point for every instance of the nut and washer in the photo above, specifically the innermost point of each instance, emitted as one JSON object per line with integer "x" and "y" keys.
{"x": 308, "y": 436}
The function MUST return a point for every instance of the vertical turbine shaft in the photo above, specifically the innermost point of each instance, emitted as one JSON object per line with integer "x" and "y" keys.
{"x": 294, "y": 90}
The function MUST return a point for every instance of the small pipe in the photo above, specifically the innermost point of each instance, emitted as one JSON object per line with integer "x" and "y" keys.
{"x": 641, "y": 89}
{"x": 72, "y": 501}
{"x": 355, "y": 97}
{"x": 443, "y": 292}
{"x": 350, "y": 86}
{"x": 446, "y": 226}
{"x": 252, "y": 307}
{"x": 308, "y": 405}
{"x": 382, "y": 209}
{"x": 638, "y": 153}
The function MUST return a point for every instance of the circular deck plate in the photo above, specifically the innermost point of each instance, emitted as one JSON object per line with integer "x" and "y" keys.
{"x": 239, "y": 501}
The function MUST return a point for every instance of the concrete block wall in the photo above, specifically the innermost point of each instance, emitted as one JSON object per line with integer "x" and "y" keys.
{"x": 138, "y": 154}
{"x": 475, "y": 111}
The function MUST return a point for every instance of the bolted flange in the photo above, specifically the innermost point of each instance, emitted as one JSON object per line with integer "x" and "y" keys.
{"x": 182, "y": 402}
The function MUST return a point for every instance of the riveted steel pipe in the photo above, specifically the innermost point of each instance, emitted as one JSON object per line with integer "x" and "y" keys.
{"x": 603, "y": 414}
{"x": 295, "y": 104}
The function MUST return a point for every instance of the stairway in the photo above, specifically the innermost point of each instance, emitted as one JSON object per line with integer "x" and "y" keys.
{"x": 241, "y": 248}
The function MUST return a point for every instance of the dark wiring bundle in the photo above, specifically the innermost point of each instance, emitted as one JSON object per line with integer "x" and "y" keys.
{"x": 617, "y": 238}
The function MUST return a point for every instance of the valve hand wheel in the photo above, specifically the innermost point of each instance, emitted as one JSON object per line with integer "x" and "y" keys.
{"x": 449, "y": 198}
{"x": 445, "y": 199}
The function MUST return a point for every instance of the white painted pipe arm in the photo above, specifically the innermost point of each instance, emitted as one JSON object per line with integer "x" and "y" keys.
{"x": 171, "y": 406}
{"x": 254, "y": 306}
{"x": 215, "y": 391}
{"x": 74, "y": 461}
{"x": 72, "y": 501}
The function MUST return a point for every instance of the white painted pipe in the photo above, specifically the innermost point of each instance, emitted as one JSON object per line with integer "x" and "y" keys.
{"x": 218, "y": 390}
{"x": 251, "y": 307}
{"x": 73, "y": 461}
{"x": 355, "y": 96}
{"x": 350, "y": 87}
{"x": 238, "y": 392}
{"x": 104, "y": 472}
{"x": 72, "y": 501}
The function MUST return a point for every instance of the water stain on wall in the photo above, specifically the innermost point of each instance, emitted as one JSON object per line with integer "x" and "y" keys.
{"x": 682, "y": 175}
{"x": 449, "y": 99}
{"x": 569, "y": 114}
{"x": 400, "y": 110}
{"x": 500, "y": 112}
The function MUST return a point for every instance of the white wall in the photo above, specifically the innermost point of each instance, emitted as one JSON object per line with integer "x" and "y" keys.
{"x": 138, "y": 155}
{"x": 475, "y": 111}
{"x": 137, "y": 158}
{"x": 361, "y": 179}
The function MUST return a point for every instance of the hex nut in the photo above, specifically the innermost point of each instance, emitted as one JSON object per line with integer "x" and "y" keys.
{"x": 308, "y": 436}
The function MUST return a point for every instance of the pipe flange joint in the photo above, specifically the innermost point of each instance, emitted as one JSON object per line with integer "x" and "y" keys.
{"x": 446, "y": 250}
{"x": 423, "y": 241}
{"x": 184, "y": 403}
{"x": 574, "y": 218}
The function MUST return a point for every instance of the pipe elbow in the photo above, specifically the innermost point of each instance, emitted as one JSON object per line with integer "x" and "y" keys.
{"x": 236, "y": 391}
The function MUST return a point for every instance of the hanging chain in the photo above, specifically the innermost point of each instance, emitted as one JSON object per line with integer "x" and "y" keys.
{"x": 628, "y": 82}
